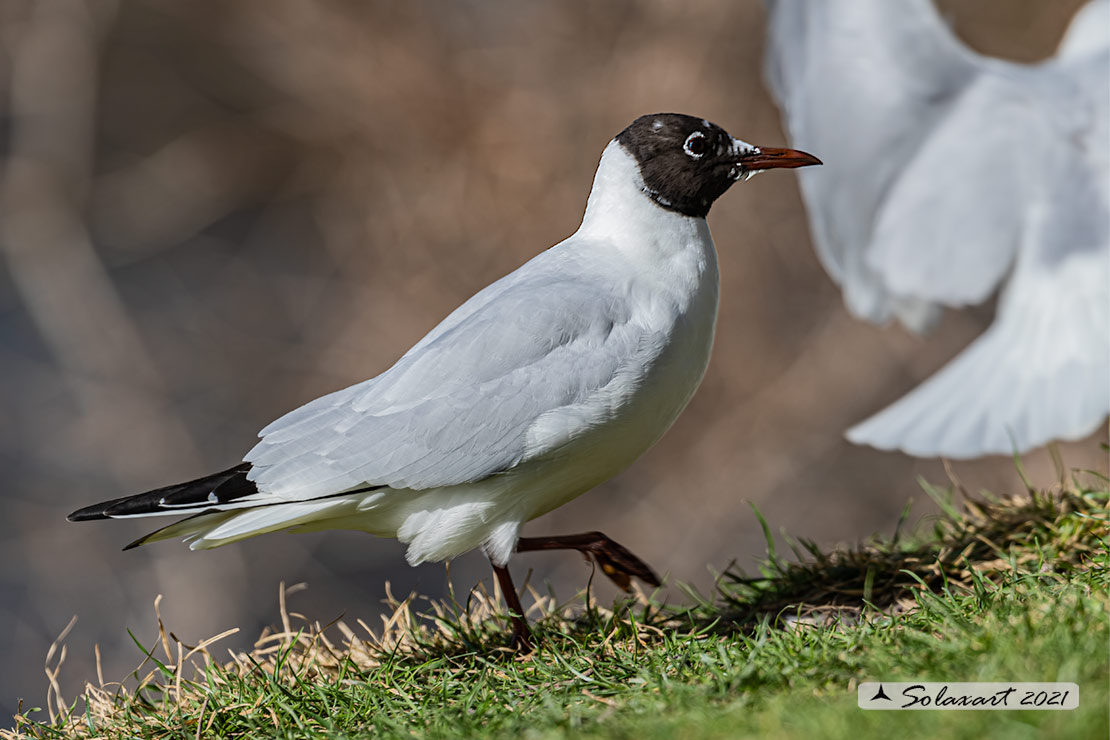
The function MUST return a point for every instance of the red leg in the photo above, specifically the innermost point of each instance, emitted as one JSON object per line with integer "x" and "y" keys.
{"x": 614, "y": 559}
{"x": 522, "y": 636}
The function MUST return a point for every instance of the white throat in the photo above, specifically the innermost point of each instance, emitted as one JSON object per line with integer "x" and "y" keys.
{"x": 620, "y": 209}
{"x": 673, "y": 254}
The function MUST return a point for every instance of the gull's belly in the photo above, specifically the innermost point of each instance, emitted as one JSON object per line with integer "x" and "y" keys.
{"x": 577, "y": 448}
{"x": 625, "y": 419}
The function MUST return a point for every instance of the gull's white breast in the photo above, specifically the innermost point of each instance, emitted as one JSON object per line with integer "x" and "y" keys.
{"x": 662, "y": 268}
{"x": 543, "y": 385}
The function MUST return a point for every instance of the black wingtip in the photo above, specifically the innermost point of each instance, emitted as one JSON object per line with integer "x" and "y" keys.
{"x": 101, "y": 510}
{"x": 227, "y": 485}
{"x": 96, "y": 511}
{"x": 132, "y": 545}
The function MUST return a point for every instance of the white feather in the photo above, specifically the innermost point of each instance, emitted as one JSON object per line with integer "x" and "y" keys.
{"x": 540, "y": 387}
{"x": 253, "y": 522}
{"x": 945, "y": 172}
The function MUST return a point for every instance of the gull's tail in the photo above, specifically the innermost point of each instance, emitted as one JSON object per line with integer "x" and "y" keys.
{"x": 215, "y": 528}
{"x": 220, "y": 491}
{"x": 219, "y": 509}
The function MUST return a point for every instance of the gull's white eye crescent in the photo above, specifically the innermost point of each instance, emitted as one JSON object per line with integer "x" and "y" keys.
{"x": 695, "y": 145}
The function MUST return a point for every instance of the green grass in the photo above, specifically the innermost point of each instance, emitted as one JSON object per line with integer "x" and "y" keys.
{"x": 999, "y": 590}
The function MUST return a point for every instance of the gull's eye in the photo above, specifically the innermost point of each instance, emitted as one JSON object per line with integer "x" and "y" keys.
{"x": 695, "y": 145}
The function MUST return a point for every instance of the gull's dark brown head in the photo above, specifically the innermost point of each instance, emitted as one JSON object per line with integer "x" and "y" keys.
{"x": 687, "y": 163}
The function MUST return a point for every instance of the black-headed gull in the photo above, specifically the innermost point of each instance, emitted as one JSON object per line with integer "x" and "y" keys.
{"x": 543, "y": 385}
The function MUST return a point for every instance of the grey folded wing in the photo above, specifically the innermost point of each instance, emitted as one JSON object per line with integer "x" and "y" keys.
{"x": 457, "y": 408}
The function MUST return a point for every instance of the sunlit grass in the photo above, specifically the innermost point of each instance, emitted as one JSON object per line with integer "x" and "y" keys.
{"x": 1010, "y": 589}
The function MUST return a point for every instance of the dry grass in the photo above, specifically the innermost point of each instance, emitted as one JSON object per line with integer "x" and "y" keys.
{"x": 985, "y": 540}
{"x": 974, "y": 550}
{"x": 175, "y": 674}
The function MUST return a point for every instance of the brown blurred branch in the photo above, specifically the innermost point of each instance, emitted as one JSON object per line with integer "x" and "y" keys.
{"x": 51, "y": 260}
{"x": 187, "y": 185}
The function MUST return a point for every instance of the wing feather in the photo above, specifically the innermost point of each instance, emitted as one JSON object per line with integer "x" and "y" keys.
{"x": 1042, "y": 370}
{"x": 864, "y": 82}
{"x": 946, "y": 173}
{"x": 458, "y": 406}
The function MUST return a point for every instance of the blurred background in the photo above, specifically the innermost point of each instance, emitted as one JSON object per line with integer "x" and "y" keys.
{"x": 213, "y": 212}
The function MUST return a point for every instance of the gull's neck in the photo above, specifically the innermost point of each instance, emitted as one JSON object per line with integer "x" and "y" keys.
{"x": 670, "y": 258}
{"x": 619, "y": 211}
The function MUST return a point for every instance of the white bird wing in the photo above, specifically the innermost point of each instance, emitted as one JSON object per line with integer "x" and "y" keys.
{"x": 1017, "y": 135}
{"x": 930, "y": 150}
{"x": 866, "y": 83}
{"x": 941, "y": 168}
{"x": 949, "y": 225}
{"x": 457, "y": 407}
{"x": 1041, "y": 372}
{"x": 1086, "y": 34}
